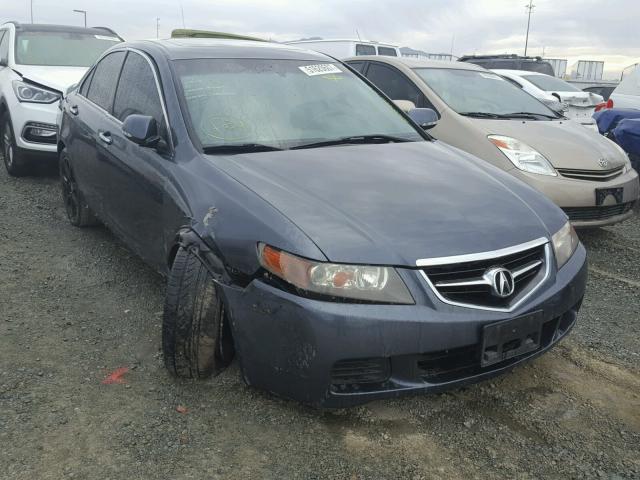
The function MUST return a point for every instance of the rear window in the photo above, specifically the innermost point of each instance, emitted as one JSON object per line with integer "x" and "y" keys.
{"x": 387, "y": 51}
{"x": 550, "y": 84}
{"x": 62, "y": 49}
{"x": 365, "y": 49}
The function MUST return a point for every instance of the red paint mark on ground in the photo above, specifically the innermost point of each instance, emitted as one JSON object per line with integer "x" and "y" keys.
{"x": 116, "y": 376}
{"x": 182, "y": 409}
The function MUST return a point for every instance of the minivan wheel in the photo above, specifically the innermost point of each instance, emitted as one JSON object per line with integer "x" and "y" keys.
{"x": 14, "y": 159}
{"x": 78, "y": 212}
{"x": 196, "y": 339}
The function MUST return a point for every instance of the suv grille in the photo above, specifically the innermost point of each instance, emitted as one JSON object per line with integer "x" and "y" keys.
{"x": 593, "y": 175}
{"x": 597, "y": 213}
{"x": 468, "y": 283}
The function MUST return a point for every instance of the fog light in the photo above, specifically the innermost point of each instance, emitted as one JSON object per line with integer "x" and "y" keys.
{"x": 40, "y": 133}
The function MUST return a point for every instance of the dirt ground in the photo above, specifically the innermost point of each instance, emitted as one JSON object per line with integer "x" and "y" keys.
{"x": 75, "y": 305}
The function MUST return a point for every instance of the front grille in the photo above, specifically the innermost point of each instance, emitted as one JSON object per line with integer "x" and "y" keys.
{"x": 597, "y": 213}
{"x": 593, "y": 175}
{"x": 465, "y": 283}
{"x": 362, "y": 371}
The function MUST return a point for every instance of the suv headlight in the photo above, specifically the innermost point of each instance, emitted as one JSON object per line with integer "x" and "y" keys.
{"x": 522, "y": 155}
{"x": 358, "y": 282}
{"x": 29, "y": 93}
{"x": 565, "y": 241}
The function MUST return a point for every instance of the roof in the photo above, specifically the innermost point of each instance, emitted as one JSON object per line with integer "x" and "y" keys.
{"x": 350, "y": 40}
{"x": 190, "y": 33}
{"x": 44, "y": 27}
{"x": 507, "y": 56}
{"x": 189, "y": 48}
{"x": 518, "y": 73}
{"x": 417, "y": 63}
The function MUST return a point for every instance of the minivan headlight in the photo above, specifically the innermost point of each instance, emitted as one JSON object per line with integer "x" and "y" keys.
{"x": 26, "y": 92}
{"x": 565, "y": 241}
{"x": 522, "y": 155}
{"x": 357, "y": 282}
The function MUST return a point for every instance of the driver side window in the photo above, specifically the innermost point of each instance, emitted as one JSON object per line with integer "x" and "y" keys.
{"x": 4, "y": 47}
{"x": 137, "y": 92}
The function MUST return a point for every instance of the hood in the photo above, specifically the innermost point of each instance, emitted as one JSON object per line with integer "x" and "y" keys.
{"x": 580, "y": 99}
{"x": 395, "y": 203}
{"x": 56, "y": 78}
{"x": 565, "y": 143}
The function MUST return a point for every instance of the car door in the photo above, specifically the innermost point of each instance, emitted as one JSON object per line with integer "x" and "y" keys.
{"x": 134, "y": 180}
{"x": 89, "y": 112}
{"x": 395, "y": 84}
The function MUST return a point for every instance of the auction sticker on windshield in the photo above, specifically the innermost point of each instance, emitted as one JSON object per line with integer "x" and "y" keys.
{"x": 320, "y": 69}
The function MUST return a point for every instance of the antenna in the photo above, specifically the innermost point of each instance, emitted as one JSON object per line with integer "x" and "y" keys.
{"x": 529, "y": 7}
{"x": 358, "y": 34}
{"x": 182, "y": 13}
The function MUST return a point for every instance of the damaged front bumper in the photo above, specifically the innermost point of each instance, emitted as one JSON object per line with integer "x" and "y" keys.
{"x": 340, "y": 354}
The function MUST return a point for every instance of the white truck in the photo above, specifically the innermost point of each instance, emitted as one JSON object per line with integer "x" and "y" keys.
{"x": 343, "y": 48}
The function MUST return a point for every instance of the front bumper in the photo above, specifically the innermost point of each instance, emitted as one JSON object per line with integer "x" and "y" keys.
{"x": 579, "y": 196}
{"x": 289, "y": 345}
{"x": 25, "y": 116}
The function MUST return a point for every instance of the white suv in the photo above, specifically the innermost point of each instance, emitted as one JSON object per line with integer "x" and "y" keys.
{"x": 38, "y": 63}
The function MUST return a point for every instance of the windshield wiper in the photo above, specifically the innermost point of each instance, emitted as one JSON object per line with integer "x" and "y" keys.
{"x": 481, "y": 114}
{"x": 240, "y": 148}
{"x": 356, "y": 139}
{"x": 507, "y": 116}
{"x": 528, "y": 115}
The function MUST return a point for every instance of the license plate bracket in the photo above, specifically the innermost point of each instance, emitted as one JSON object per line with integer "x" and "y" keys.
{"x": 602, "y": 194}
{"x": 510, "y": 338}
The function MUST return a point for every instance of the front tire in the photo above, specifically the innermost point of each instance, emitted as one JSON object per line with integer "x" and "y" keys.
{"x": 15, "y": 161}
{"x": 195, "y": 332}
{"x": 78, "y": 212}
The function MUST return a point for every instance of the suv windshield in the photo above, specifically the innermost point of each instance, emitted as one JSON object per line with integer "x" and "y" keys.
{"x": 62, "y": 49}
{"x": 262, "y": 103}
{"x": 476, "y": 93}
{"x": 550, "y": 84}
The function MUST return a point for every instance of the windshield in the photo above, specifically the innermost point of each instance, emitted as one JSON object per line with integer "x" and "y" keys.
{"x": 480, "y": 92}
{"x": 550, "y": 84}
{"x": 62, "y": 49}
{"x": 283, "y": 103}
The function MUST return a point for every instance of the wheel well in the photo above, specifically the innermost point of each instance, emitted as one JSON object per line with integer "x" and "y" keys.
{"x": 172, "y": 255}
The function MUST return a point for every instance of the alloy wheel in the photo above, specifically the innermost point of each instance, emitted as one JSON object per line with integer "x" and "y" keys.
{"x": 69, "y": 191}
{"x": 7, "y": 143}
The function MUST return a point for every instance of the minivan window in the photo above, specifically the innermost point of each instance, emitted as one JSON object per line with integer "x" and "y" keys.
{"x": 550, "y": 84}
{"x": 137, "y": 92}
{"x": 387, "y": 51}
{"x": 282, "y": 103}
{"x": 394, "y": 84}
{"x": 59, "y": 48}
{"x": 473, "y": 91}
{"x": 105, "y": 79}
{"x": 365, "y": 49}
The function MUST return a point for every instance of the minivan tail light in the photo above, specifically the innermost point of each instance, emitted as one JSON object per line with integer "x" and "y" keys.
{"x": 604, "y": 105}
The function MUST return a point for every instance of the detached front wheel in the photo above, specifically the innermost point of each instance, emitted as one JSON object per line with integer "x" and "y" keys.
{"x": 196, "y": 340}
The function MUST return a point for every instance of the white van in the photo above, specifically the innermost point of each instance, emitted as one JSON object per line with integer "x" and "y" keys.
{"x": 343, "y": 48}
{"x": 627, "y": 93}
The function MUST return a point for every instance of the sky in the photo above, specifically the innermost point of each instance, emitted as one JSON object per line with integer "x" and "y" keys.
{"x": 571, "y": 29}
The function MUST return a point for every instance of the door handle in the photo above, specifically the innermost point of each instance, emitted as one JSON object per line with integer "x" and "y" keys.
{"x": 73, "y": 109}
{"x": 105, "y": 137}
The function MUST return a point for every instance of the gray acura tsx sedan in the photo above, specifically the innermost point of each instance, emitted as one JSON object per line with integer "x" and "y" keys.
{"x": 308, "y": 225}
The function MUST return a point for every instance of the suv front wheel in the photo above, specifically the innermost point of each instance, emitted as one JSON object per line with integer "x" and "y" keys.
{"x": 14, "y": 158}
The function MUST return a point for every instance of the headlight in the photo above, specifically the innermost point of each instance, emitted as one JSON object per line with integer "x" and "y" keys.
{"x": 357, "y": 282}
{"x": 522, "y": 155}
{"x": 565, "y": 242}
{"x": 32, "y": 94}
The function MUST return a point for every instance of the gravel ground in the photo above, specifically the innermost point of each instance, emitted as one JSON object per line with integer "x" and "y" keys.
{"x": 75, "y": 305}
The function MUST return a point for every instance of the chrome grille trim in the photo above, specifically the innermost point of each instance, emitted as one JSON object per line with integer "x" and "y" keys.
{"x": 548, "y": 258}
{"x": 592, "y": 175}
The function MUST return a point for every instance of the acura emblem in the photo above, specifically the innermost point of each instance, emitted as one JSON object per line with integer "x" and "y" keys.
{"x": 501, "y": 282}
{"x": 603, "y": 162}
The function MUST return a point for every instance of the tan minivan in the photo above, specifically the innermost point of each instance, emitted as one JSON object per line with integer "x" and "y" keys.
{"x": 584, "y": 173}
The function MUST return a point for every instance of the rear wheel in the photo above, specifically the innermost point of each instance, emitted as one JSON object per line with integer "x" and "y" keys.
{"x": 14, "y": 158}
{"x": 78, "y": 212}
{"x": 196, "y": 339}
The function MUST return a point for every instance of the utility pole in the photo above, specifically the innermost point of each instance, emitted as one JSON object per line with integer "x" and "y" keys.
{"x": 31, "y": 3}
{"x": 157, "y": 27}
{"x": 182, "y": 12}
{"x": 84, "y": 12}
{"x": 529, "y": 7}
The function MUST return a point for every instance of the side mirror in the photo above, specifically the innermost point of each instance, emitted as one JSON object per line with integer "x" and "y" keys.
{"x": 141, "y": 130}
{"x": 425, "y": 117}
